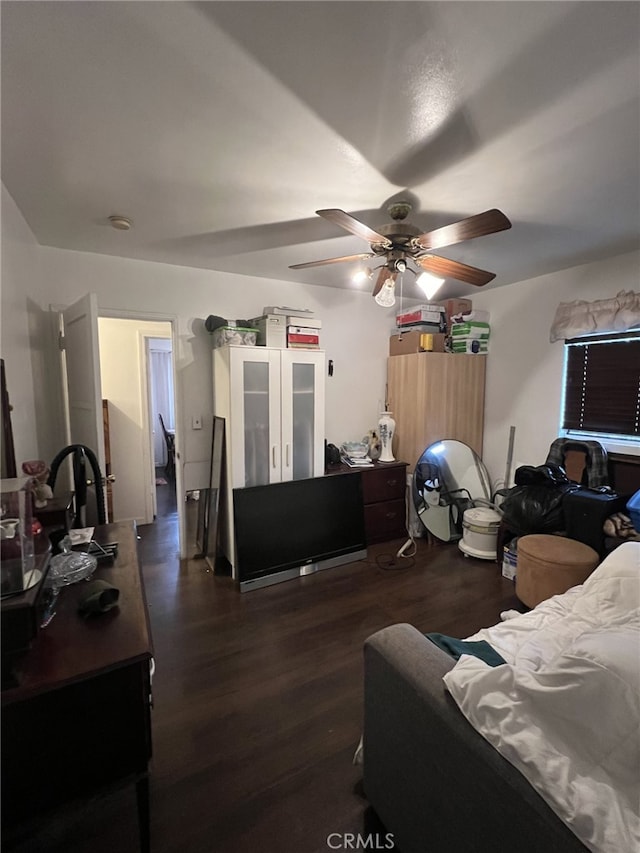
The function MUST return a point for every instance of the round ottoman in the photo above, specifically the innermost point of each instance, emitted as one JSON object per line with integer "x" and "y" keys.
{"x": 550, "y": 565}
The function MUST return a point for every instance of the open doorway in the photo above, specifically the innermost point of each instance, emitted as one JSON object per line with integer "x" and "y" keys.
{"x": 134, "y": 427}
{"x": 162, "y": 420}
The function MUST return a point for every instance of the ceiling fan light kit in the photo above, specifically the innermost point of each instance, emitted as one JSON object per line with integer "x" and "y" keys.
{"x": 429, "y": 284}
{"x": 399, "y": 241}
{"x": 386, "y": 295}
{"x": 362, "y": 274}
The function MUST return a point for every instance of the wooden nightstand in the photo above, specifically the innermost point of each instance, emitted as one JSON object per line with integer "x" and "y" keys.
{"x": 383, "y": 491}
{"x": 383, "y": 497}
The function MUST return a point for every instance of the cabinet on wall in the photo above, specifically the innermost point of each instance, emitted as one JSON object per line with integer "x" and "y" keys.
{"x": 435, "y": 396}
{"x": 272, "y": 401}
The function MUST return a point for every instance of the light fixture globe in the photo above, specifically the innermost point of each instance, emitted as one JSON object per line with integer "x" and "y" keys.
{"x": 386, "y": 297}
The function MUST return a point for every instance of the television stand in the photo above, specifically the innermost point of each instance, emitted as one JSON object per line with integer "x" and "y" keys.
{"x": 302, "y": 571}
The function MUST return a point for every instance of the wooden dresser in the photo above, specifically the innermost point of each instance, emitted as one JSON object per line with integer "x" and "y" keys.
{"x": 383, "y": 494}
{"x": 79, "y": 718}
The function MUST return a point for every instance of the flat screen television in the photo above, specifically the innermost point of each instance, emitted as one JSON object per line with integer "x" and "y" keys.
{"x": 284, "y": 530}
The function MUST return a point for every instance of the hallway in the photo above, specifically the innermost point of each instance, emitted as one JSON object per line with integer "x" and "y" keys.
{"x": 165, "y": 495}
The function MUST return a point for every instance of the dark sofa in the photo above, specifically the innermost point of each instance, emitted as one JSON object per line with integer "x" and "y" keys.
{"x": 434, "y": 782}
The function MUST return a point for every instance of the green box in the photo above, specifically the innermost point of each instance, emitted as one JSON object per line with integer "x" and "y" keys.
{"x": 471, "y": 329}
{"x": 470, "y": 345}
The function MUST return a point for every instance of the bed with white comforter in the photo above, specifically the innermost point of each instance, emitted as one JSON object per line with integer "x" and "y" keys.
{"x": 565, "y": 708}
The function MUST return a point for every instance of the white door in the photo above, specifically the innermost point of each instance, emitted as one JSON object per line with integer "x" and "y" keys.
{"x": 82, "y": 357}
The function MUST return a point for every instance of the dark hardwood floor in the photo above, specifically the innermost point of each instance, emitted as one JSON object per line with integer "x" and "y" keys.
{"x": 258, "y": 696}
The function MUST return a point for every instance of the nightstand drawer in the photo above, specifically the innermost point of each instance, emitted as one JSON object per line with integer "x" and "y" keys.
{"x": 385, "y": 521}
{"x": 383, "y": 484}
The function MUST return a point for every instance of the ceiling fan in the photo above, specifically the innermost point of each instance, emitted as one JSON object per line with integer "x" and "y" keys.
{"x": 399, "y": 241}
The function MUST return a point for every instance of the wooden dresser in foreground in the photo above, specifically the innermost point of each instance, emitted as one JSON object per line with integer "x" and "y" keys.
{"x": 78, "y": 719}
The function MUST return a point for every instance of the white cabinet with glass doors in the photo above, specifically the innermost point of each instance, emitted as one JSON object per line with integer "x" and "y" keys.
{"x": 272, "y": 401}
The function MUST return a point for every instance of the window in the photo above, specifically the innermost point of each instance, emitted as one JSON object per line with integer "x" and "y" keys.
{"x": 602, "y": 385}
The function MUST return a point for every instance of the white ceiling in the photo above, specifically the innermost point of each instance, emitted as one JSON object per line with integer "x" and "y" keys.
{"x": 220, "y": 128}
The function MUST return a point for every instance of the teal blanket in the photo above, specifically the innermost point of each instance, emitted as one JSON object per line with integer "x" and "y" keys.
{"x": 477, "y": 648}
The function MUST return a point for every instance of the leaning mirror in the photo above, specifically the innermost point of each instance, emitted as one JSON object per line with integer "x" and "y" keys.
{"x": 448, "y": 478}
{"x": 208, "y": 508}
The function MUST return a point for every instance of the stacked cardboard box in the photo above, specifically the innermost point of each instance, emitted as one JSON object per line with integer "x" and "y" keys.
{"x": 453, "y": 307}
{"x": 282, "y": 328}
{"x": 272, "y": 330}
{"x": 470, "y": 337}
{"x": 303, "y": 332}
{"x": 430, "y": 315}
{"x": 402, "y": 343}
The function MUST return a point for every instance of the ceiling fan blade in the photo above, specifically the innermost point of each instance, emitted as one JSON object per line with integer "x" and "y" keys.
{"x": 383, "y": 275}
{"x": 363, "y": 257}
{"x": 454, "y": 269}
{"x": 346, "y": 221}
{"x": 489, "y": 222}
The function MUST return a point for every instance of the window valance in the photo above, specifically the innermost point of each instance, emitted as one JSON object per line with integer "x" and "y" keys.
{"x": 574, "y": 319}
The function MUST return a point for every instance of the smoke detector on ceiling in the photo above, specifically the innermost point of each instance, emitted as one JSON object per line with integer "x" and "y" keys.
{"x": 120, "y": 223}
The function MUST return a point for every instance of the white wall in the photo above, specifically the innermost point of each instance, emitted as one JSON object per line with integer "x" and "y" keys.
{"x": 19, "y": 272}
{"x": 124, "y": 386}
{"x": 355, "y": 333}
{"x": 524, "y": 370}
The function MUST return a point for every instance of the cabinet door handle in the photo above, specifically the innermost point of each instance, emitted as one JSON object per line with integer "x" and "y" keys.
{"x": 287, "y": 446}
{"x": 391, "y": 482}
{"x": 391, "y": 514}
{"x": 273, "y": 456}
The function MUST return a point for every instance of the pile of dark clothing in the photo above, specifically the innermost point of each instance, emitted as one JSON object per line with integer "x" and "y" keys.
{"x": 534, "y": 504}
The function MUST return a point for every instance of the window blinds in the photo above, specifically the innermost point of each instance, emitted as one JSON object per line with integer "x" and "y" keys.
{"x": 602, "y": 385}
